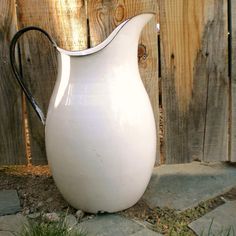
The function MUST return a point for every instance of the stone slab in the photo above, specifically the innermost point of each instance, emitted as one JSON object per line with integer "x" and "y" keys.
{"x": 220, "y": 221}
{"x": 146, "y": 232}
{"x": 114, "y": 225}
{"x": 184, "y": 186}
{"x": 6, "y": 233}
{"x": 12, "y": 224}
{"x": 9, "y": 202}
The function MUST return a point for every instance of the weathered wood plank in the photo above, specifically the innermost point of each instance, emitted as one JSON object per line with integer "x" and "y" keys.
{"x": 65, "y": 21}
{"x": 217, "y": 117}
{"x": 148, "y": 67}
{"x": 194, "y": 79}
{"x": 233, "y": 84}
{"x": 12, "y": 147}
{"x": 177, "y": 81}
{"x": 104, "y": 16}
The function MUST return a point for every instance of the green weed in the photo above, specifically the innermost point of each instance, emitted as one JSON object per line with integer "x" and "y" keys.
{"x": 43, "y": 228}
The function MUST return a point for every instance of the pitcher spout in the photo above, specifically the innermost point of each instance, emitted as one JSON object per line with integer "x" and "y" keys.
{"x": 131, "y": 27}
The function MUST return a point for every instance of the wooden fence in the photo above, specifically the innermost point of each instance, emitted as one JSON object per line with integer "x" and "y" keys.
{"x": 196, "y": 71}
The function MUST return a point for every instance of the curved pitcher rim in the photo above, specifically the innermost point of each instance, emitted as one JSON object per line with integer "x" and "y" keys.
{"x": 103, "y": 44}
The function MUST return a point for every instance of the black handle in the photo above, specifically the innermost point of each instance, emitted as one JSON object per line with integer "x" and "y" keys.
{"x": 17, "y": 74}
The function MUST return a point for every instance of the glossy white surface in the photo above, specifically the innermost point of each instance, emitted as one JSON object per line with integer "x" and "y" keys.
{"x": 100, "y": 129}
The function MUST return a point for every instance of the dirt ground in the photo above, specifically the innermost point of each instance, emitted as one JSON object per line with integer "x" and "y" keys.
{"x": 35, "y": 187}
{"x": 38, "y": 193}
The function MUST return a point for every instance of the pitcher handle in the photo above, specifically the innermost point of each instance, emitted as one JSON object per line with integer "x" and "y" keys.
{"x": 18, "y": 76}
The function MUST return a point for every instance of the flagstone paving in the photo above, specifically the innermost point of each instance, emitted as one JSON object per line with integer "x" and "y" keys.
{"x": 112, "y": 224}
{"x": 11, "y": 224}
{"x": 184, "y": 186}
{"x": 220, "y": 221}
{"x": 9, "y": 202}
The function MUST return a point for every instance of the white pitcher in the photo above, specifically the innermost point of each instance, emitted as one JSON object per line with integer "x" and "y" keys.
{"x": 100, "y": 129}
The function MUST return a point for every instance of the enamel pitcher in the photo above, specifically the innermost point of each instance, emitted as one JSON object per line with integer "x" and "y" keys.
{"x": 100, "y": 129}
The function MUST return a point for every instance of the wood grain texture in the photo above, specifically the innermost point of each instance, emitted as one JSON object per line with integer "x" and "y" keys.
{"x": 194, "y": 79}
{"x": 105, "y": 15}
{"x": 65, "y": 21}
{"x": 233, "y": 84}
{"x": 217, "y": 115}
{"x": 12, "y": 147}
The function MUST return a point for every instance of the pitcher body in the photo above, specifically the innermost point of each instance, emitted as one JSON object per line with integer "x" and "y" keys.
{"x": 100, "y": 129}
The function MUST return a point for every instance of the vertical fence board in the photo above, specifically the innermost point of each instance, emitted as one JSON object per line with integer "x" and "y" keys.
{"x": 217, "y": 117}
{"x": 194, "y": 79}
{"x": 65, "y": 21}
{"x": 104, "y": 16}
{"x": 233, "y": 83}
{"x": 12, "y": 147}
{"x": 148, "y": 67}
{"x": 177, "y": 27}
